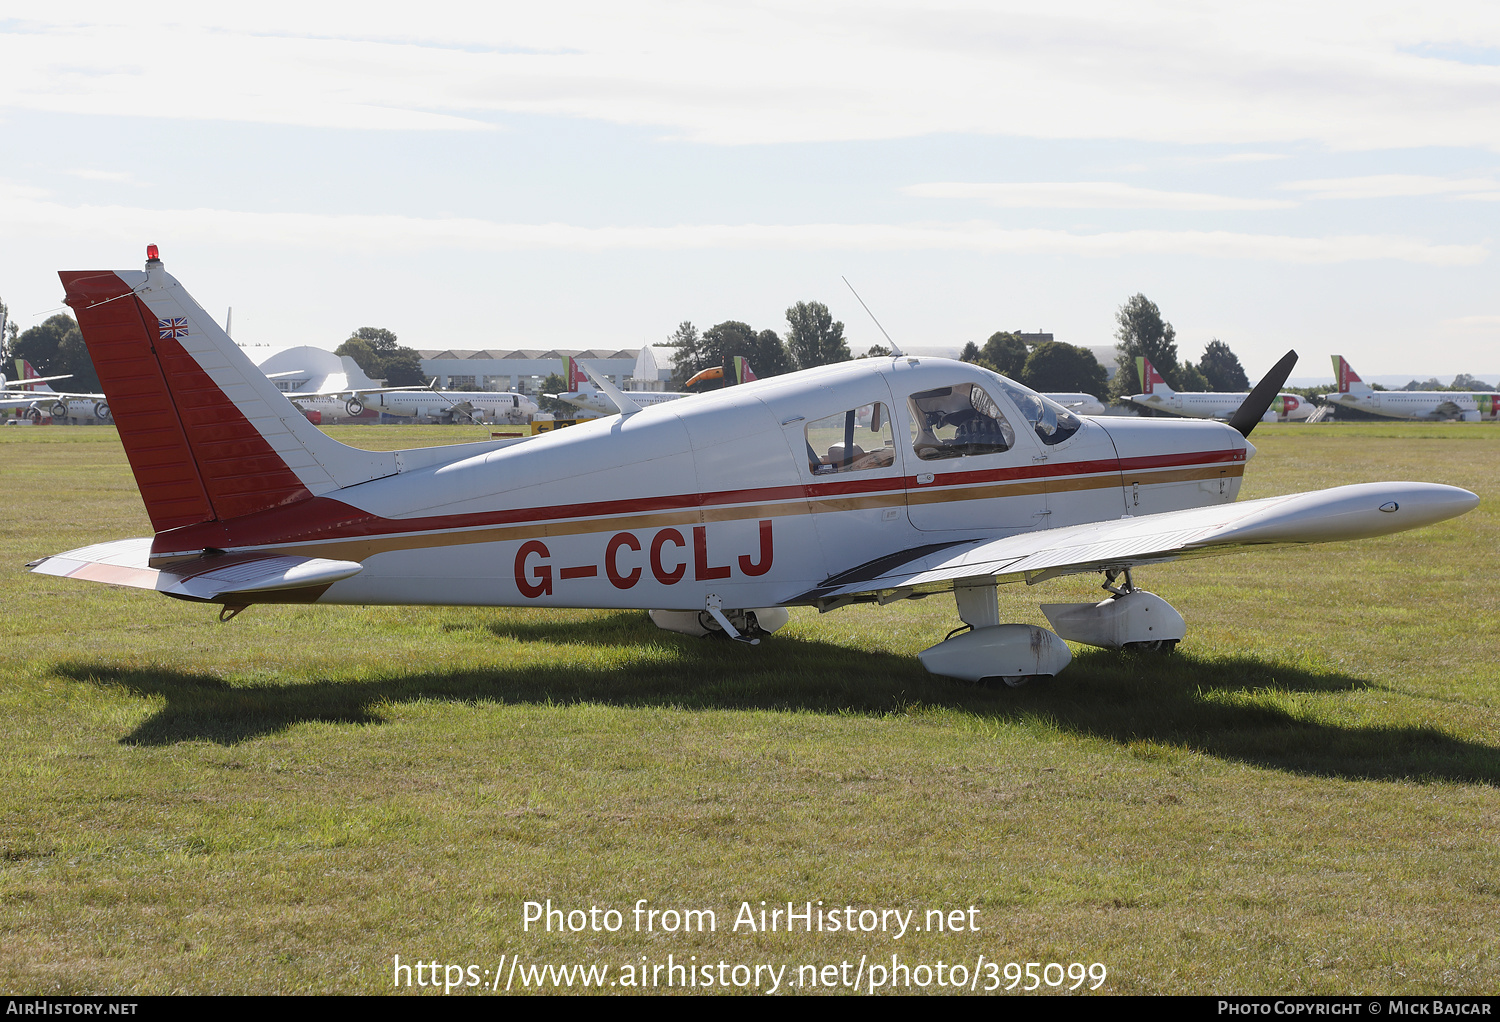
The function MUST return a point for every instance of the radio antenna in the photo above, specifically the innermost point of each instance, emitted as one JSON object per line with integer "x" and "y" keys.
{"x": 895, "y": 351}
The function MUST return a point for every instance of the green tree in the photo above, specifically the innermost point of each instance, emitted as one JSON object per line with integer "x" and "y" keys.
{"x": 1463, "y": 381}
{"x": 1221, "y": 368}
{"x": 1005, "y": 353}
{"x": 56, "y": 347}
{"x": 1142, "y": 331}
{"x": 555, "y": 384}
{"x": 376, "y": 351}
{"x": 686, "y": 342}
{"x": 1064, "y": 368}
{"x": 1191, "y": 380}
{"x": 403, "y": 368}
{"x": 814, "y": 338}
{"x": 718, "y": 344}
{"x": 7, "y": 337}
{"x": 877, "y": 351}
{"x": 970, "y": 353}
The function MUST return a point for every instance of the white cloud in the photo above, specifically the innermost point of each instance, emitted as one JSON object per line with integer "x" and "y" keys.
{"x": 735, "y": 72}
{"x": 112, "y": 176}
{"x": 1086, "y": 195}
{"x": 1393, "y": 186}
{"x": 25, "y": 213}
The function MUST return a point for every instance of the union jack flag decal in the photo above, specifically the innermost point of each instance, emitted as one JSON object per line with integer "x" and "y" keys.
{"x": 172, "y": 327}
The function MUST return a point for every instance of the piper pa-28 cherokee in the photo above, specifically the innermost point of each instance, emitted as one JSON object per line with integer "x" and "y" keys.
{"x": 1156, "y": 395}
{"x": 872, "y": 480}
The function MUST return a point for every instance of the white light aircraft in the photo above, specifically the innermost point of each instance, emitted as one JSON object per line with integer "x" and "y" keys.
{"x": 874, "y": 480}
{"x": 30, "y": 396}
{"x": 582, "y": 394}
{"x": 1466, "y": 406}
{"x": 1157, "y": 396}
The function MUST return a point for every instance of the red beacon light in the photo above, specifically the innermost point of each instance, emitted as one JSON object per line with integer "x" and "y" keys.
{"x": 152, "y": 254}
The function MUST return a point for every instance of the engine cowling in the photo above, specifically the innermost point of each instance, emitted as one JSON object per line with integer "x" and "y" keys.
{"x": 101, "y": 411}
{"x": 355, "y": 407}
{"x": 59, "y": 410}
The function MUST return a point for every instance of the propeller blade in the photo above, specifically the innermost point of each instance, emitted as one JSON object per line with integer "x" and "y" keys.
{"x": 1254, "y": 406}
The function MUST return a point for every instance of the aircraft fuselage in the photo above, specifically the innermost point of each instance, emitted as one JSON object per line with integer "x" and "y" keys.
{"x": 751, "y": 494}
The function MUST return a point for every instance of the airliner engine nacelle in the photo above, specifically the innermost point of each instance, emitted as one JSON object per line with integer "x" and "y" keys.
{"x": 59, "y": 410}
{"x": 354, "y": 407}
{"x": 101, "y": 411}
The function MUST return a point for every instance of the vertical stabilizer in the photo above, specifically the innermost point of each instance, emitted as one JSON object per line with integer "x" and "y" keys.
{"x": 354, "y": 376}
{"x": 24, "y": 372}
{"x": 1348, "y": 379}
{"x": 1151, "y": 380}
{"x": 576, "y": 376}
{"x": 208, "y": 436}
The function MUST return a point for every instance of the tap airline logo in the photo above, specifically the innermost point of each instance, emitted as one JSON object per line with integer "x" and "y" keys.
{"x": 576, "y": 375}
{"x": 1345, "y": 373}
{"x": 176, "y": 327}
{"x": 1149, "y": 376}
{"x": 742, "y": 371}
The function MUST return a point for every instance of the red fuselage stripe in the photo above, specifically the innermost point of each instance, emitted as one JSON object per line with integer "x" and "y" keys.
{"x": 326, "y": 518}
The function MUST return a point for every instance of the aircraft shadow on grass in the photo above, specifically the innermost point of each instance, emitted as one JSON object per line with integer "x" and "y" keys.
{"x": 1244, "y": 709}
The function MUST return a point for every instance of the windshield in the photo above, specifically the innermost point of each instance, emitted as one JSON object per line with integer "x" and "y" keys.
{"x": 1052, "y": 422}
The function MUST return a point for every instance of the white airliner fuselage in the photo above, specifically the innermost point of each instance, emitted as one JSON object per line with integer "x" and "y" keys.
{"x": 1466, "y": 406}
{"x": 1157, "y": 396}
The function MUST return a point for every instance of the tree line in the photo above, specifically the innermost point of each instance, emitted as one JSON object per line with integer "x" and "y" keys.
{"x": 813, "y": 338}
{"x": 54, "y": 347}
{"x": 1140, "y": 330}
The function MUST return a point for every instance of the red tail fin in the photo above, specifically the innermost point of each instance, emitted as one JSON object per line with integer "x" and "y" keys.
{"x": 208, "y": 436}
{"x": 194, "y": 455}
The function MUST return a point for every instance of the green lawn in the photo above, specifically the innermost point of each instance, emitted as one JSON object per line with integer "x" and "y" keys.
{"x": 1303, "y": 798}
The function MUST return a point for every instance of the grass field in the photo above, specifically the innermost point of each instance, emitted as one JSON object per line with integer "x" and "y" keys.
{"x": 1304, "y": 798}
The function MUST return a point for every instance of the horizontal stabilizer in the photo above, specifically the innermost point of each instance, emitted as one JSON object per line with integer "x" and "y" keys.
{"x": 212, "y": 577}
{"x": 1343, "y": 512}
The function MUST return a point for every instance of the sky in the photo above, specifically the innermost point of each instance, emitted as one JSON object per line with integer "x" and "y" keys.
{"x": 1324, "y": 177}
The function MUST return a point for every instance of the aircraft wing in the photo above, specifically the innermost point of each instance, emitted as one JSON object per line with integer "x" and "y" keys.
{"x": 351, "y": 391}
{"x": 52, "y": 394}
{"x": 1343, "y": 512}
{"x": 125, "y": 563}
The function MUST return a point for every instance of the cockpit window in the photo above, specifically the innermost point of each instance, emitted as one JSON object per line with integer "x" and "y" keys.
{"x": 952, "y": 422}
{"x": 1053, "y": 423}
{"x": 857, "y": 440}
